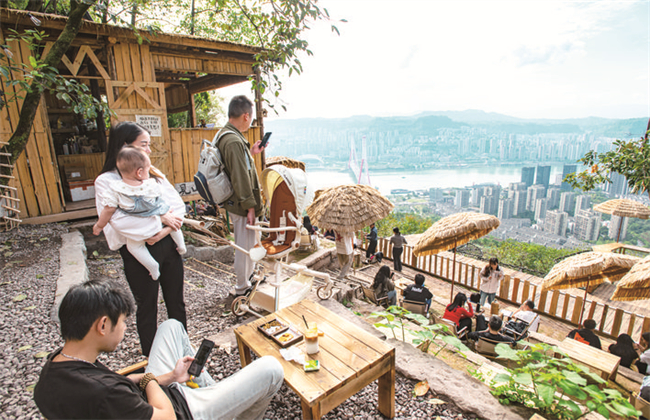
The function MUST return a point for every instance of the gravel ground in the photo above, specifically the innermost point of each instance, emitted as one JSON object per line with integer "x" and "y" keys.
{"x": 29, "y": 257}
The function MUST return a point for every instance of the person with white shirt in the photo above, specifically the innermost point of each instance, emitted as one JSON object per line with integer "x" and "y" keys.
{"x": 525, "y": 313}
{"x": 344, "y": 250}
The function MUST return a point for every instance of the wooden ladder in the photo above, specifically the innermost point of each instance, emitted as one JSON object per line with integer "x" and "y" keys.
{"x": 9, "y": 202}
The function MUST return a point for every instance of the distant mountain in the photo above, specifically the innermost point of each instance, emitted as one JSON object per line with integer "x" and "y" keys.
{"x": 426, "y": 122}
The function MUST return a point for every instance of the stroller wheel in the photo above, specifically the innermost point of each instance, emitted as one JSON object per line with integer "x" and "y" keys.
{"x": 239, "y": 306}
{"x": 323, "y": 293}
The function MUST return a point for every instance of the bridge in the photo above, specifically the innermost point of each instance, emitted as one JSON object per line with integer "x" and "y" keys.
{"x": 359, "y": 169}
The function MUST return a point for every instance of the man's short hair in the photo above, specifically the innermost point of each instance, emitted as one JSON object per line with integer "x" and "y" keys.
{"x": 530, "y": 304}
{"x": 240, "y": 105}
{"x": 130, "y": 159}
{"x": 419, "y": 279}
{"x": 589, "y": 324}
{"x": 495, "y": 323}
{"x": 87, "y": 302}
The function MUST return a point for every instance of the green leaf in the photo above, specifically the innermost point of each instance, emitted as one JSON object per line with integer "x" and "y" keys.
{"x": 41, "y": 354}
{"x": 575, "y": 378}
{"x": 603, "y": 411}
{"x": 19, "y": 298}
{"x": 506, "y": 352}
{"x": 32, "y": 61}
{"x": 523, "y": 378}
{"x": 23, "y": 348}
{"x": 39, "y": 276}
{"x": 546, "y": 393}
{"x": 573, "y": 407}
{"x": 29, "y": 308}
{"x": 95, "y": 253}
{"x": 502, "y": 377}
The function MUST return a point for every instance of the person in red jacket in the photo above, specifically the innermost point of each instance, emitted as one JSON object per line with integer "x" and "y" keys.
{"x": 462, "y": 317}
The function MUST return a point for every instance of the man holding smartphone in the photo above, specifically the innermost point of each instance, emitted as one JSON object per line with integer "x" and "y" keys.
{"x": 74, "y": 384}
{"x": 245, "y": 203}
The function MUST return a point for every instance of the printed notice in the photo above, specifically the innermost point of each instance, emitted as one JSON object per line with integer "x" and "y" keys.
{"x": 151, "y": 123}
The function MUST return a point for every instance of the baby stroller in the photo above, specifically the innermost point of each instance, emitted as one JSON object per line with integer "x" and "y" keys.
{"x": 288, "y": 194}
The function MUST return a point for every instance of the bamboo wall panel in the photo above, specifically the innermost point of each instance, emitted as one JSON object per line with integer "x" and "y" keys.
{"x": 93, "y": 162}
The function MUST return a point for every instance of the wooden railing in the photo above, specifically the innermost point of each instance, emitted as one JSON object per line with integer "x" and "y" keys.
{"x": 611, "y": 321}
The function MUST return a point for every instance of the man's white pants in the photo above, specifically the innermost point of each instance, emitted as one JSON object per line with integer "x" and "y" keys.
{"x": 244, "y": 238}
{"x": 244, "y": 395}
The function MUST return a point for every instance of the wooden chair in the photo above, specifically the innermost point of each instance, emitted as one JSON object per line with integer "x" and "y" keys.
{"x": 415, "y": 307}
{"x": 487, "y": 347}
{"x": 640, "y": 404}
{"x": 518, "y": 335}
{"x": 134, "y": 367}
{"x": 452, "y": 326}
{"x": 370, "y": 295}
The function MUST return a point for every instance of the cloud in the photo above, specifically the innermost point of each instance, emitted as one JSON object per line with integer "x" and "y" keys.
{"x": 546, "y": 54}
{"x": 407, "y": 60}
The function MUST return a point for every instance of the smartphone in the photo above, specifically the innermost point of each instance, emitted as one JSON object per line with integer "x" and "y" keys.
{"x": 265, "y": 139}
{"x": 201, "y": 357}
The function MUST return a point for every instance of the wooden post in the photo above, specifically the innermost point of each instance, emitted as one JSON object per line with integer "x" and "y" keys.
{"x": 542, "y": 302}
{"x": 603, "y": 318}
{"x": 565, "y": 306}
{"x": 630, "y": 325}
{"x": 554, "y": 298}
{"x": 618, "y": 319}
{"x": 577, "y": 309}
{"x": 515, "y": 290}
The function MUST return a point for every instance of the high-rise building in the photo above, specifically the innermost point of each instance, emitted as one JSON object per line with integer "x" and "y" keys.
{"x": 462, "y": 198}
{"x": 614, "y": 225}
{"x": 528, "y": 176}
{"x": 519, "y": 205}
{"x": 517, "y": 186}
{"x": 553, "y": 195}
{"x": 556, "y": 222}
{"x": 540, "y": 209}
{"x": 583, "y": 202}
{"x": 618, "y": 186}
{"x": 435, "y": 194}
{"x": 475, "y": 197}
{"x": 587, "y": 225}
{"x": 566, "y": 170}
{"x": 567, "y": 201}
{"x": 543, "y": 175}
{"x": 488, "y": 204}
{"x": 506, "y": 207}
{"x": 535, "y": 192}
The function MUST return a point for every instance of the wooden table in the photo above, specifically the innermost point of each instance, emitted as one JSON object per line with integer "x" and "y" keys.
{"x": 600, "y": 360}
{"x": 350, "y": 358}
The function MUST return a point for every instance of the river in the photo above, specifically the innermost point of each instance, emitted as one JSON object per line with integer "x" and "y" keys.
{"x": 386, "y": 181}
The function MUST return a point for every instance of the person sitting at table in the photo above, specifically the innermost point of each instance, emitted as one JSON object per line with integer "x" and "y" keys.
{"x": 586, "y": 334}
{"x": 456, "y": 313}
{"x": 418, "y": 292}
{"x": 492, "y": 333}
{"x": 383, "y": 286}
{"x": 525, "y": 313}
{"x": 624, "y": 348}
{"x": 644, "y": 357}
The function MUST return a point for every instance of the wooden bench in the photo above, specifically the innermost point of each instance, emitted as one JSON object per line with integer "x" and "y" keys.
{"x": 602, "y": 361}
{"x": 350, "y": 359}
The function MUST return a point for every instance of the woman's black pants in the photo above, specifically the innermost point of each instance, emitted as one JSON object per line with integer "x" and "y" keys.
{"x": 397, "y": 259}
{"x": 145, "y": 289}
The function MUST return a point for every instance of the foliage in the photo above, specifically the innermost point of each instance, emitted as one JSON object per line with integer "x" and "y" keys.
{"x": 552, "y": 385}
{"x": 208, "y": 107}
{"x": 408, "y": 223}
{"x": 396, "y": 317}
{"x": 530, "y": 258}
{"x": 638, "y": 231}
{"x": 629, "y": 158}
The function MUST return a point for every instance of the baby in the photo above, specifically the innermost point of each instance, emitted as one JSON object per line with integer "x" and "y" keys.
{"x": 137, "y": 195}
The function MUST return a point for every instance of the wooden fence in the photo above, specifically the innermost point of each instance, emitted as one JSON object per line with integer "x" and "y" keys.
{"x": 611, "y": 321}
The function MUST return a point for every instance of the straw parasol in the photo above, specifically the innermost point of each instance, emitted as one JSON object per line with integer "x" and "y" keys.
{"x": 285, "y": 161}
{"x": 348, "y": 208}
{"x": 589, "y": 268}
{"x": 452, "y": 231}
{"x": 623, "y": 207}
{"x": 635, "y": 285}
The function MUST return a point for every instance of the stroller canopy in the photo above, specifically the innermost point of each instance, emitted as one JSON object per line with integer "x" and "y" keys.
{"x": 296, "y": 180}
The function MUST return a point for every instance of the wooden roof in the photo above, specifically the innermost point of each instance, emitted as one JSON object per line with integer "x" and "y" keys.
{"x": 207, "y": 64}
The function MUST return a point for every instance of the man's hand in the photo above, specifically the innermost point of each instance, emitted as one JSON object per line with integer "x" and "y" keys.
{"x": 96, "y": 229}
{"x": 250, "y": 217}
{"x": 160, "y": 235}
{"x": 180, "y": 370}
{"x": 136, "y": 377}
{"x": 257, "y": 148}
{"x": 174, "y": 222}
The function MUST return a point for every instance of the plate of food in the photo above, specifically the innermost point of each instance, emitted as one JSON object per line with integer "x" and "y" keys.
{"x": 287, "y": 337}
{"x": 273, "y": 327}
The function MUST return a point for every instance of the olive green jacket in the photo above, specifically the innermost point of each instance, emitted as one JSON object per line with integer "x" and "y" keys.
{"x": 240, "y": 167}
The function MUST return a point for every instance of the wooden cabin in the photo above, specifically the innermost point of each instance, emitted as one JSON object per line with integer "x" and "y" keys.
{"x": 142, "y": 82}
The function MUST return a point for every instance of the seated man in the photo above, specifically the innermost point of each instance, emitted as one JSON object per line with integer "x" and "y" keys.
{"x": 74, "y": 384}
{"x": 586, "y": 334}
{"x": 492, "y": 333}
{"x": 525, "y": 313}
{"x": 418, "y": 292}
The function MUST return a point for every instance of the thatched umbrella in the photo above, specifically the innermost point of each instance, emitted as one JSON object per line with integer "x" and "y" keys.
{"x": 635, "y": 285}
{"x": 623, "y": 207}
{"x": 589, "y": 268}
{"x": 285, "y": 161}
{"x": 348, "y": 208}
{"x": 452, "y": 231}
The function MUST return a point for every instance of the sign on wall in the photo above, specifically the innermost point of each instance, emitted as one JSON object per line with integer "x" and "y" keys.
{"x": 151, "y": 123}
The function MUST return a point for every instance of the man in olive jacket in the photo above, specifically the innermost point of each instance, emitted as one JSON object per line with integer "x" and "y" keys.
{"x": 245, "y": 204}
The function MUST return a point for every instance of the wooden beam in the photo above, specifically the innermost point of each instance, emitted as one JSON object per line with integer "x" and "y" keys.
{"x": 61, "y": 217}
{"x": 213, "y": 82}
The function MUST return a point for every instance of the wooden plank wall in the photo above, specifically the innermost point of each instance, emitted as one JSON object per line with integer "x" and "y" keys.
{"x": 171, "y": 62}
{"x": 186, "y": 149}
{"x": 37, "y": 181}
{"x": 611, "y": 321}
{"x": 93, "y": 162}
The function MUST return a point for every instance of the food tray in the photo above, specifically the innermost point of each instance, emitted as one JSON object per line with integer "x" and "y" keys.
{"x": 270, "y": 332}
{"x": 297, "y": 337}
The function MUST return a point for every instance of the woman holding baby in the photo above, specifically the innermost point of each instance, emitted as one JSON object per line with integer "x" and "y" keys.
{"x": 127, "y": 227}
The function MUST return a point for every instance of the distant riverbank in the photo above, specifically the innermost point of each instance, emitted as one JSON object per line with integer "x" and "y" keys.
{"x": 456, "y": 177}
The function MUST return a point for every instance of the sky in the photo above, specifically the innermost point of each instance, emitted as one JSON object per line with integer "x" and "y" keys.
{"x": 524, "y": 58}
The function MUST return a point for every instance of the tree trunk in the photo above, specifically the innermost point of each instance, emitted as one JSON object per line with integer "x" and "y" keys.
{"x": 20, "y": 136}
{"x": 34, "y": 5}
